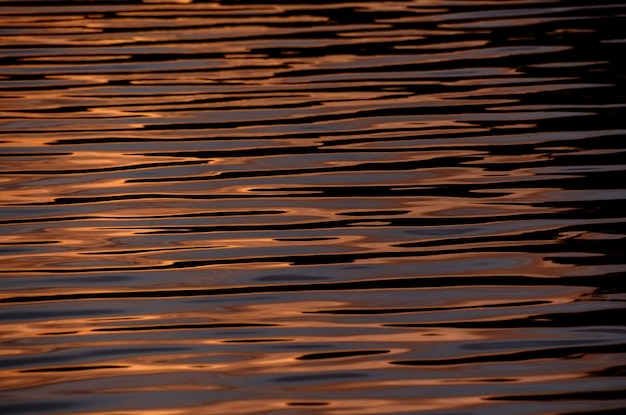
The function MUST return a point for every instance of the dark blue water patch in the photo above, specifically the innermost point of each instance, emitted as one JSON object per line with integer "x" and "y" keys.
{"x": 574, "y": 352}
{"x": 39, "y": 407}
{"x": 339, "y": 355}
{"x": 319, "y": 377}
{"x": 291, "y": 278}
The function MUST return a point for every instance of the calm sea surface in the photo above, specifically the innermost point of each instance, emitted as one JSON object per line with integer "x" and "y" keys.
{"x": 313, "y": 207}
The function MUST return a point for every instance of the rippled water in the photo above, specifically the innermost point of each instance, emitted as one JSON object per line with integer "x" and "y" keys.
{"x": 373, "y": 207}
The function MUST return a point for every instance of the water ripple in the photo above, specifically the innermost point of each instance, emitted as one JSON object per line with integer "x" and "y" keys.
{"x": 248, "y": 207}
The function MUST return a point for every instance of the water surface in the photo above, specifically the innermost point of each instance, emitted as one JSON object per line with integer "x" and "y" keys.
{"x": 372, "y": 207}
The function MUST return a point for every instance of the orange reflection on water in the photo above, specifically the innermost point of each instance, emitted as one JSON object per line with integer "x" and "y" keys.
{"x": 222, "y": 208}
{"x": 333, "y": 406}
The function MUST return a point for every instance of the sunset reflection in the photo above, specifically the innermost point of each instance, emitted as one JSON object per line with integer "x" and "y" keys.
{"x": 402, "y": 207}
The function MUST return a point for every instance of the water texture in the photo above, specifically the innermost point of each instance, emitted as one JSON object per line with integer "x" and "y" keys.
{"x": 322, "y": 207}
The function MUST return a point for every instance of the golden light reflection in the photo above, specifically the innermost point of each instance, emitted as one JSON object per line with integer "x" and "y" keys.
{"x": 335, "y": 208}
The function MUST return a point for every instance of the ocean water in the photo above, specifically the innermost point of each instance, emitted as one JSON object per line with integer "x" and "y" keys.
{"x": 313, "y": 207}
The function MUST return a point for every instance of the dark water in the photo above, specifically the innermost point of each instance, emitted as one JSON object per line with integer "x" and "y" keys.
{"x": 324, "y": 207}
